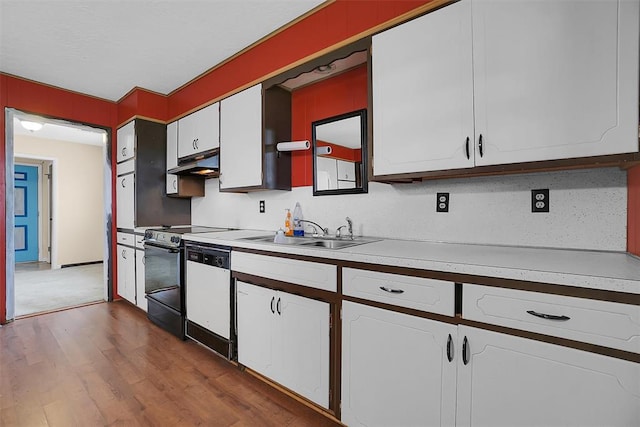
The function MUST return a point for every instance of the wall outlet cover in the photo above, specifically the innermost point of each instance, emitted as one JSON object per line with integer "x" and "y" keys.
{"x": 540, "y": 200}
{"x": 261, "y": 206}
{"x": 442, "y": 202}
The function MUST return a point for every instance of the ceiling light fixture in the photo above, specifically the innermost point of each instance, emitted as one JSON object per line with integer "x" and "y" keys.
{"x": 325, "y": 69}
{"x": 31, "y": 126}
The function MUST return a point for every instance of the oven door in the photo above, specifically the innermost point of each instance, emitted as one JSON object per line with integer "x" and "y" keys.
{"x": 162, "y": 267}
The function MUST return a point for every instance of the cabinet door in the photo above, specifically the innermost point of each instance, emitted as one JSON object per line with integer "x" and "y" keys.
{"x": 126, "y": 142}
{"x": 125, "y": 201}
{"x": 172, "y": 184}
{"x": 208, "y": 291}
{"x": 346, "y": 170}
{"x": 256, "y": 307}
{"x": 302, "y": 345}
{"x": 326, "y": 173}
{"x": 241, "y": 150}
{"x": 199, "y": 131}
{"x": 423, "y": 93}
{"x": 126, "y": 273}
{"x": 141, "y": 301}
{"x": 555, "y": 79}
{"x": 395, "y": 369}
{"x": 513, "y": 381}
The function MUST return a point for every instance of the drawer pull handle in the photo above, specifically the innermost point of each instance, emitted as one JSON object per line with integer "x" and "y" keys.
{"x": 278, "y": 308}
{"x": 392, "y": 291}
{"x": 450, "y": 348}
{"x": 465, "y": 349}
{"x": 467, "y": 148}
{"x": 548, "y": 316}
{"x": 272, "y": 309}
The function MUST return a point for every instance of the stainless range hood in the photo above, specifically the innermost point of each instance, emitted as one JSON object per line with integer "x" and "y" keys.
{"x": 205, "y": 165}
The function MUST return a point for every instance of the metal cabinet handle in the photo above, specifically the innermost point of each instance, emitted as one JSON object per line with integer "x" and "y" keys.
{"x": 124, "y": 254}
{"x": 195, "y": 143}
{"x": 144, "y": 260}
{"x": 278, "y": 307}
{"x": 175, "y": 184}
{"x": 123, "y": 180}
{"x": 480, "y": 148}
{"x": 272, "y": 300}
{"x": 465, "y": 350}
{"x": 450, "y": 348}
{"x": 548, "y": 316}
{"x": 124, "y": 151}
{"x": 392, "y": 291}
{"x": 467, "y": 148}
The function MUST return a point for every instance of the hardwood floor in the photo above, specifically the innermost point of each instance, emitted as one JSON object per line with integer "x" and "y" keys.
{"x": 106, "y": 364}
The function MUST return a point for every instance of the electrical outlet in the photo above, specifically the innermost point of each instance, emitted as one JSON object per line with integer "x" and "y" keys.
{"x": 261, "y": 206}
{"x": 442, "y": 202}
{"x": 540, "y": 200}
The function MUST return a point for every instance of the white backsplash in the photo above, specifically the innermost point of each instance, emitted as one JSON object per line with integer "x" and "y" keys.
{"x": 588, "y": 210}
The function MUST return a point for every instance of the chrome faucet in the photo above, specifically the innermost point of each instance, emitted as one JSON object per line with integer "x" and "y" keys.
{"x": 316, "y": 226}
{"x": 349, "y": 228}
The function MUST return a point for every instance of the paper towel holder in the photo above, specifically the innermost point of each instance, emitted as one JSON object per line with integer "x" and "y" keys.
{"x": 293, "y": 145}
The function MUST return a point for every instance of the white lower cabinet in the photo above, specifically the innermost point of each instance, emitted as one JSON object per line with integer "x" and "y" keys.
{"x": 285, "y": 337}
{"x": 127, "y": 273}
{"x": 395, "y": 369}
{"x": 513, "y": 381}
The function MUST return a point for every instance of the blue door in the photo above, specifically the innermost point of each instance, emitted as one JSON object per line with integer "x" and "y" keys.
{"x": 26, "y": 213}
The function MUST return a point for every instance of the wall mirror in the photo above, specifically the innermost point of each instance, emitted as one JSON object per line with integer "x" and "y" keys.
{"x": 340, "y": 154}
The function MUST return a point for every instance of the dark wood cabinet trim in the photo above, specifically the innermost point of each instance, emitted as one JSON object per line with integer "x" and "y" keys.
{"x": 623, "y": 161}
{"x": 277, "y": 285}
{"x": 564, "y": 342}
{"x": 404, "y": 310}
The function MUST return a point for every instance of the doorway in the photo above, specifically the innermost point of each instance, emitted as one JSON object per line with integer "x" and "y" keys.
{"x": 72, "y": 264}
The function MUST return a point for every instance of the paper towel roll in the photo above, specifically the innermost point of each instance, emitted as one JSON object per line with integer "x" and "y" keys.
{"x": 293, "y": 145}
{"x": 325, "y": 149}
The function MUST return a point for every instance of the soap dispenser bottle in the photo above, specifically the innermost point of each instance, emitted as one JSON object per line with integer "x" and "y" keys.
{"x": 288, "y": 228}
{"x": 298, "y": 229}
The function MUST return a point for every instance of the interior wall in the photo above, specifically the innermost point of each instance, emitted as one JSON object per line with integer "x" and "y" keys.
{"x": 341, "y": 94}
{"x": 79, "y": 196}
{"x": 588, "y": 210}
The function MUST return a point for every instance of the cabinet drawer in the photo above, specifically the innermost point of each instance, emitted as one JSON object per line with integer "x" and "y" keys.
{"x": 305, "y": 273}
{"x": 139, "y": 241}
{"x": 126, "y": 239}
{"x": 125, "y": 167}
{"x": 603, "y": 323}
{"x": 434, "y": 296}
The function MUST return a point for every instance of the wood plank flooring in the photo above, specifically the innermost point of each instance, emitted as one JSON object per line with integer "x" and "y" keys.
{"x": 106, "y": 364}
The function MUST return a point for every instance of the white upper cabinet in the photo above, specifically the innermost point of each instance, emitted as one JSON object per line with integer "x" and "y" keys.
{"x": 241, "y": 139}
{"x": 199, "y": 132}
{"x": 423, "y": 93}
{"x": 555, "y": 79}
{"x": 126, "y": 136}
{"x": 523, "y": 80}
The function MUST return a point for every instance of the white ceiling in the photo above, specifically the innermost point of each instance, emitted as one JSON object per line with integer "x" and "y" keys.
{"x": 105, "y": 48}
{"x": 59, "y": 130}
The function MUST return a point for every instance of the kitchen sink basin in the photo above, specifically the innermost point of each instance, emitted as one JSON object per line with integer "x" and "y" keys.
{"x": 316, "y": 242}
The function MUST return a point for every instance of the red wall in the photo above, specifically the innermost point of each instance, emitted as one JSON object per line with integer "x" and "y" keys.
{"x": 338, "y": 95}
{"x": 44, "y": 100}
{"x": 330, "y": 25}
{"x": 633, "y": 211}
{"x": 327, "y": 27}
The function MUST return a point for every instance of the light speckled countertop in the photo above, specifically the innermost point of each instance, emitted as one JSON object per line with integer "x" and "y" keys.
{"x": 612, "y": 271}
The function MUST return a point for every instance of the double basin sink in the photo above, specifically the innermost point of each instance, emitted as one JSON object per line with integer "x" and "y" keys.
{"x": 325, "y": 242}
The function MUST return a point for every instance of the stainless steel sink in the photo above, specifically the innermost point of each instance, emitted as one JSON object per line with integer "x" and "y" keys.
{"x": 325, "y": 242}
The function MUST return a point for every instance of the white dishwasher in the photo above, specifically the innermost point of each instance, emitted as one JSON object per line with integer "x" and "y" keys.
{"x": 209, "y": 298}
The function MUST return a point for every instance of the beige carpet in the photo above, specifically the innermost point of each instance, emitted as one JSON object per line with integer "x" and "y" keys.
{"x": 44, "y": 290}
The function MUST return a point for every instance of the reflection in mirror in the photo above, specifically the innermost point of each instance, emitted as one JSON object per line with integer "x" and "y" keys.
{"x": 339, "y": 154}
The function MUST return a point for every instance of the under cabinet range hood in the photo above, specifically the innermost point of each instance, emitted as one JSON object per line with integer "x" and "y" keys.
{"x": 202, "y": 165}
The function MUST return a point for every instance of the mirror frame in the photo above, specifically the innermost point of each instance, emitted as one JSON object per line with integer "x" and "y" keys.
{"x": 364, "y": 187}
